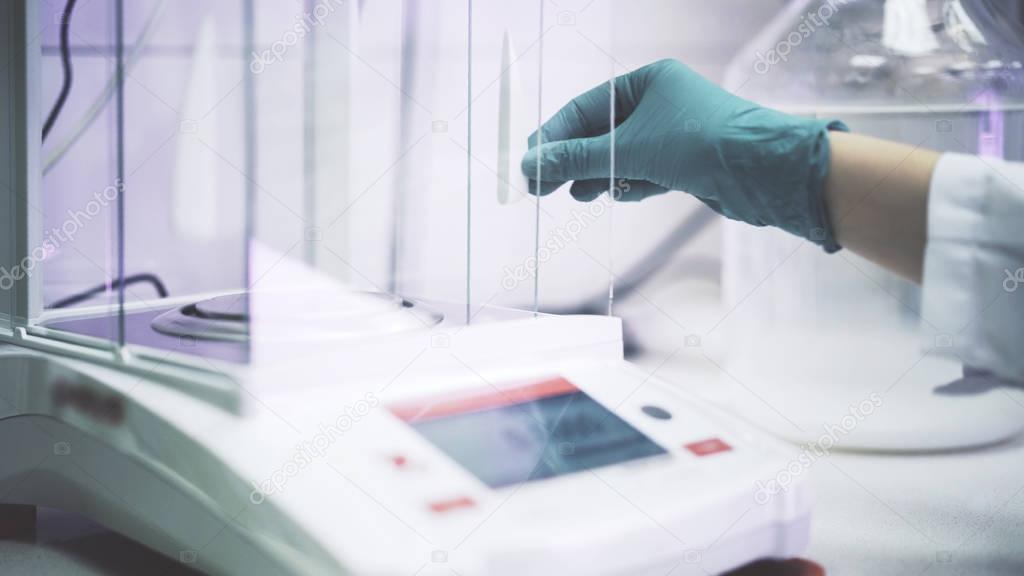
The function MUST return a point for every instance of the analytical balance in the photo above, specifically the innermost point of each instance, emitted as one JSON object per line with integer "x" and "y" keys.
{"x": 220, "y": 338}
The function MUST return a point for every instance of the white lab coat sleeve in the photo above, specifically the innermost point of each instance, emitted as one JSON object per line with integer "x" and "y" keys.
{"x": 973, "y": 288}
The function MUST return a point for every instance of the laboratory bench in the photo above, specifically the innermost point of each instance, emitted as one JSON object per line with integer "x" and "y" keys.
{"x": 941, "y": 514}
{"x": 880, "y": 514}
{"x": 936, "y": 514}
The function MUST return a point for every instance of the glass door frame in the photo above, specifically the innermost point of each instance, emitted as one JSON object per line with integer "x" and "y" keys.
{"x": 21, "y": 306}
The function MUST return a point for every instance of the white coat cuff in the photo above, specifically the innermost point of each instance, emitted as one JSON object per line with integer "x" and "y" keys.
{"x": 974, "y": 263}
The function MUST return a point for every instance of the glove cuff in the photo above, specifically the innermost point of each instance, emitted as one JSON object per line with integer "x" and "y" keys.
{"x": 822, "y": 232}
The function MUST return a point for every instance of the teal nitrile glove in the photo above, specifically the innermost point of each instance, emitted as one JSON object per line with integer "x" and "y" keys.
{"x": 678, "y": 131}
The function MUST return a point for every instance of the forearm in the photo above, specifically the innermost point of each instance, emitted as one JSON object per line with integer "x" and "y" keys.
{"x": 877, "y": 198}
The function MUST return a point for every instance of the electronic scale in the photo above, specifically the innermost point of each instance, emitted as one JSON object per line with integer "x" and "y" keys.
{"x": 287, "y": 409}
{"x": 499, "y": 450}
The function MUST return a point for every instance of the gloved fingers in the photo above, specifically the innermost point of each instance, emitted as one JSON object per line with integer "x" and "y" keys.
{"x": 588, "y": 115}
{"x": 626, "y": 190}
{"x": 577, "y": 119}
{"x": 564, "y": 160}
{"x": 630, "y": 190}
{"x": 545, "y": 187}
{"x": 587, "y": 190}
{"x": 713, "y": 204}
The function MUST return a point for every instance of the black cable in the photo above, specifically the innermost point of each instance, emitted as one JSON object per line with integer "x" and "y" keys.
{"x": 51, "y": 118}
{"x": 152, "y": 279}
{"x": 65, "y": 60}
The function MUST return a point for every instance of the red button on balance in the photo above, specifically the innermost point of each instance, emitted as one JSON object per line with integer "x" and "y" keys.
{"x": 443, "y": 506}
{"x": 708, "y": 447}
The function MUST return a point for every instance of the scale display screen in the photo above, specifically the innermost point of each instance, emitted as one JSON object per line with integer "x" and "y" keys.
{"x": 540, "y": 430}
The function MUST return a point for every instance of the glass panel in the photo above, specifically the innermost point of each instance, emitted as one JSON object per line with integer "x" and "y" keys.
{"x": 529, "y": 60}
{"x": 339, "y": 137}
{"x": 506, "y": 54}
{"x": 171, "y": 142}
{"x": 273, "y": 154}
{"x": 575, "y": 243}
{"x": 9, "y": 113}
{"x": 432, "y": 203}
{"x": 80, "y": 182}
{"x": 361, "y": 96}
{"x": 191, "y": 175}
{"x": 390, "y": 97}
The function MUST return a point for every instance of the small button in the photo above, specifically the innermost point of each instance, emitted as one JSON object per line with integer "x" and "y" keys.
{"x": 404, "y": 464}
{"x": 657, "y": 412}
{"x": 443, "y": 506}
{"x": 708, "y": 447}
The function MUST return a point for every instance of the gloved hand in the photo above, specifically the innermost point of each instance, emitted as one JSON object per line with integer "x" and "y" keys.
{"x": 678, "y": 131}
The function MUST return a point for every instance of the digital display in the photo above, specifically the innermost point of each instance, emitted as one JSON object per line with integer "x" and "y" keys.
{"x": 510, "y": 435}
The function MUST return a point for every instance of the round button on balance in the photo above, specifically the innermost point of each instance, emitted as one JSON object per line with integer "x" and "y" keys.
{"x": 656, "y": 412}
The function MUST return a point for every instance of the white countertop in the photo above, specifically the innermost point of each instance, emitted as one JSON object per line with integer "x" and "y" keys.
{"x": 878, "y": 514}
{"x": 935, "y": 514}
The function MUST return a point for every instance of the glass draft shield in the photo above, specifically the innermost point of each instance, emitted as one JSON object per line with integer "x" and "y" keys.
{"x": 210, "y": 173}
{"x": 147, "y": 175}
